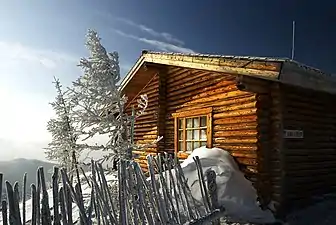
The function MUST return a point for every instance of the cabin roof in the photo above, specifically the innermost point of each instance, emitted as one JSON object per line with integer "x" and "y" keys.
{"x": 282, "y": 70}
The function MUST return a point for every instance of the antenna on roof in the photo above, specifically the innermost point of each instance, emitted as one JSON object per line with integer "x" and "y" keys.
{"x": 293, "y": 40}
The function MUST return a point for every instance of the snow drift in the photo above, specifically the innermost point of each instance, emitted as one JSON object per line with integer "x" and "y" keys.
{"x": 235, "y": 192}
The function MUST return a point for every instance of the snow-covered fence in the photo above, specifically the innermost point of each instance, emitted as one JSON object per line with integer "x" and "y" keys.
{"x": 162, "y": 198}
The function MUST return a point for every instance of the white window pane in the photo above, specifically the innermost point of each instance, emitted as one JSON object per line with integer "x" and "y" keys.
{"x": 196, "y": 135}
{"x": 189, "y": 123}
{"x": 196, "y": 144}
{"x": 189, "y": 146}
{"x": 203, "y": 134}
{"x": 203, "y": 121}
{"x": 203, "y": 143}
{"x": 189, "y": 134}
{"x": 196, "y": 122}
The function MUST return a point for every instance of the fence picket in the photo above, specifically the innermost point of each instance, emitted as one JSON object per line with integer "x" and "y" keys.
{"x": 163, "y": 198}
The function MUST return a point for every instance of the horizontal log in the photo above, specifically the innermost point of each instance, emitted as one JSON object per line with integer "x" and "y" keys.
{"x": 246, "y": 161}
{"x": 203, "y": 111}
{"x": 175, "y": 69}
{"x": 241, "y": 133}
{"x": 146, "y": 130}
{"x": 138, "y": 137}
{"x": 148, "y": 117}
{"x": 216, "y": 97}
{"x": 148, "y": 141}
{"x": 295, "y": 119}
{"x": 235, "y": 120}
{"x": 310, "y": 172}
{"x": 198, "y": 79}
{"x": 244, "y": 155}
{"x": 182, "y": 155}
{"x": 288, "y": 103}
{"x": 243, "y": 112}
{"x": 182, "y": 73}
{"x": 311, "y": 125}
{"x": 308, "y": 112}
{"x": 238, "y": 147}
{"x": 202, "y": 92}
{"x": 194, "y": 86}
{"x": 235, "y": 140}
{"x": 145, "y": 152}
{"x": 206, "y": 98}
{"x": 145, "y": 123}
{"x": 310, "y": 166}
{"x": 193, "y": 78}
{"x": 306, "y": 97}
{"x": 151, "y": 94}
{"x": 248, "y": 105}
{"x": 219, "y": 103}
{"x": 149, "y": 112}
{"x": 320, "y": 180}
{"x": 305, "y": 152}
{"x": 149, "y": 137}
{"x": 310, "y": 145}
{"x": 311, "y": 159}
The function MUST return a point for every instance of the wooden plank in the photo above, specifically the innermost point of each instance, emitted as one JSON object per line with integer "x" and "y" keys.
{"x": 199, "y": 112}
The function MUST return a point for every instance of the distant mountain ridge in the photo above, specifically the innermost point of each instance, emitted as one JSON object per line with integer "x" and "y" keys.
{"x": 14, "y": 170}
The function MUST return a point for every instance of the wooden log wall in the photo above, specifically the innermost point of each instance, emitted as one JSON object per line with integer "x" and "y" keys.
{"x": 276, "y": 162}
{"x": 240, "y": 122}
{"x": 310, "y": 163}
{"x": 269, "y": 133}
{"x": 146, "y": 126}
{"x": 162, "y": 108}
{"x": 245, "y": 123}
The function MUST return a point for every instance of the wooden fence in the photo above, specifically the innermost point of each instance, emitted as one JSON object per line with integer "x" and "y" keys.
{"x": 162, "y": 198}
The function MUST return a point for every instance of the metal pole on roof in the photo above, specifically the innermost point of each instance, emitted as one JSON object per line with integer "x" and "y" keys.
{"x": 293, "y": 40}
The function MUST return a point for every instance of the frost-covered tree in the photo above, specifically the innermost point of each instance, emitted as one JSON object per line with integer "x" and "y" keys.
{"x": 63, "y": 147}
{"x": 98, "y": 103}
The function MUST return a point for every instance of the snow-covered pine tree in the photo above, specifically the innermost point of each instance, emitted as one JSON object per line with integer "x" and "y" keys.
{"x": 63, "y": 147}
{"x": 98, "y": 104}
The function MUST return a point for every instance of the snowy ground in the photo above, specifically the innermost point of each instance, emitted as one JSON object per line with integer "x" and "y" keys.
{"x": 235, "y": 193}
{"x": 322, "y": 213}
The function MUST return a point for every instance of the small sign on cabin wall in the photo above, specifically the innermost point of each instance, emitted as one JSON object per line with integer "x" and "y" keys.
{"x": 293, "y": 134}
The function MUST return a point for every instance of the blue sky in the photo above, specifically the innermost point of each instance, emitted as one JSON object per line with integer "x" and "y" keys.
{"x": 42, "y": 39}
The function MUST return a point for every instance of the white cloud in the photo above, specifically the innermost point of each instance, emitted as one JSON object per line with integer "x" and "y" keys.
{"x": 164, "y": 46}
{"x": 163, "y": 40}
{"x": 24, "y": 116}
{"x": 166, "y": 36}
{"x": 15, "y": 52}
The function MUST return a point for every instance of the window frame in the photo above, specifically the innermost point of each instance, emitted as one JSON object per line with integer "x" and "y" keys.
{"x": 190, "y": 114}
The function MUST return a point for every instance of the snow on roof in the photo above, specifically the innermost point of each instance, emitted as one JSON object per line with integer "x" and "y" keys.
{"x": 292, "y": 72}
{"x": 258, "y": 58}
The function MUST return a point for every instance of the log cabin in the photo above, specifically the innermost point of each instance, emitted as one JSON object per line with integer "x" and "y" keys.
{"x": 275, "y": 116}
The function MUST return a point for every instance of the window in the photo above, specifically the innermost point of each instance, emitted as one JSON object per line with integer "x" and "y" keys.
{"x": 193, "y": 130}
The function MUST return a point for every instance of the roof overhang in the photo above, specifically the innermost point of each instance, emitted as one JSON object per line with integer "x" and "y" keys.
{"x": 131, "y": 72}
{"x": 251, "y": 66}
{"x": 274, "y": 69}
